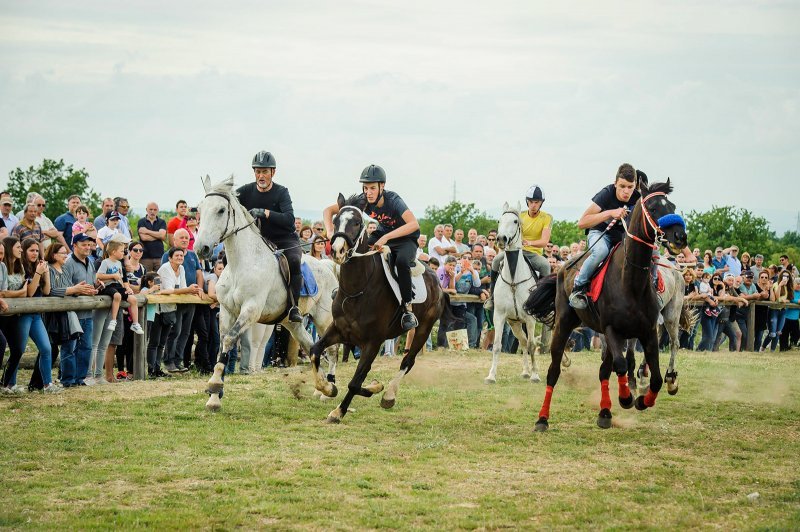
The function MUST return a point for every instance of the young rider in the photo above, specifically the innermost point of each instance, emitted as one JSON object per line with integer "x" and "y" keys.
{"x": 271, "y": 205}
{"x": 536, "y": 228}
{"x": 398, "y": 228}
{"x": 611, "y": 203}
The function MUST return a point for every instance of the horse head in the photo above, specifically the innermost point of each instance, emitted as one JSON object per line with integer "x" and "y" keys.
{"x": 659, "y": 217}
{"x": 349, "y": 228}
{"x": 509, "y": 229}
{"x": 218, "y": 212}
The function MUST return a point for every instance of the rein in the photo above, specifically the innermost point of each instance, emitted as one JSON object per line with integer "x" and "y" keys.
{"x": 351, "y": 253}
{"x": 647, "y": 221}
{"x": 236, "y": 230}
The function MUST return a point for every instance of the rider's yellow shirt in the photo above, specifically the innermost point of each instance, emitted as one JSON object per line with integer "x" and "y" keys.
{"x": 532, "y": 228}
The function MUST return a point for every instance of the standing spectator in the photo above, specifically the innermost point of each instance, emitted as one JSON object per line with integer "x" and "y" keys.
{"x": 746, "y": 262}
{"x": 122, "y": 206}
{"x": 491, "y": 239}
{"x": 49, "y": 231}
{"x": 152, "y": 232}
{"x": 422, "y": 241}
{"x": 28, "y": 227}
{"x": 791, "y": 327}
{"x": 6, "y": 206}
{"x": 447, "y": 280}
{"x": 106, "y": 233}
{"x": 298, "y": 224}
{"x": 178, "y": 222}
{"x": 191, "y": 226}
{"x": 788, "y": 266}
{"x": 782, "y": 291}
{"x": 689, "y": 294}
{"x": 763, "y": 288}
{"x": 179, "y": 336}
{"x": 708, "y": 263}
{"x": 461, "y": 247}
{"x": 710, "y": 294}
{"x": 758, "y": 264}
{"x": 213, "y": 334}
{"x": 732, "y": 260}
{"x": 102, "y": 219}
{"x": 472, "y": 237}
{"x": 13, "y": 285}
{"x": 318, "y": 250}
{"x": 719, "y": 261}
{"x": 477, "y": 254}
{"x": 749, "y": 291}
{"x": 440, "y": 246}
{"x": 319, "y": 229}
{"x": 727, "y": 324}
{"x": 64, "y": 222}
{"x": 305, "y": 238}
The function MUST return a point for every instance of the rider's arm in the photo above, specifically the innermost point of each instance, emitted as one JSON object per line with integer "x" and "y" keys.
{"x": 542, "y": 241}
{"x": 285, "y": 218}
{"x": 593, "y": 216}
{"x": 327, "y": 218}
{"x": 411, "y": 225}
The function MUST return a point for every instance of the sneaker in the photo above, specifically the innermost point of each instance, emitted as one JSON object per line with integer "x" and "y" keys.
{"x": 123, "y": 376}
{"x": 171, "y": 368}
{"x": 52, "y": 389}
{"x": 408, "y": 321}
{"x": 159, "y": 374}
{"x": 181, "y": 369}
{"x": 18, "y": 390}
{"x": 112, "y": 324}
{"x": 137, "y": 328}
{"x": 577, "y": 299}
{"x": 295, "y": 316}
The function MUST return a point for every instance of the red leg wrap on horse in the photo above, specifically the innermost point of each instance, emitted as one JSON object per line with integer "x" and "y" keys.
{"x": 624, "y": 389}
{"x": 545, "y": 411}
{"x": 650, "y": 398}
{"x": 605, "y": 398}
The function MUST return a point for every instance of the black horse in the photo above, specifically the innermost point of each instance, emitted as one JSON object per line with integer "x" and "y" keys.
{"x": 366, "y": 311}
{"x": 627, "y": 306}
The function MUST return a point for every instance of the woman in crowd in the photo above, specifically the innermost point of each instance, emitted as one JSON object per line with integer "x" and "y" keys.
{"x": 318, "y": 249}
{"x": 782, "y": 292}
{"x": 746, "y": 261}
{"x": 763, "y": 288}
{"x": 37, "y": 274}
{"x": 134, "y": 275}
{"x": 689, "y": 294}
{"x": 791, "y": 327}
{"x": 710, "y": 293}
{"x": 707, "y": 265}
{"x": 305, "y": 238}
{"x": 12, "y": 285}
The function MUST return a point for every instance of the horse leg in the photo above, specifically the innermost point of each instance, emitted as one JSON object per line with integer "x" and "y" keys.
{"x": 368, "y": 353}
{"x": 671, "y": 376}
{"x": 565, "y": 323}
{"x": 496, "y": 346}
{"x": 604, "y": 417}
{"x": 630, "y": 358}
{"x": 527, "y": 353}
{"x": 650, "y": 344}
{"x": 417, "y": 343}
{"x": 230, "y": 331}
{"x": 621, "y": 364}
{"x": 331, "y": 337}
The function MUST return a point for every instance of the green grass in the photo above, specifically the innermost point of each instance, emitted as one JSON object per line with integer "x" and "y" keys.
{"x": 453, "y": 453}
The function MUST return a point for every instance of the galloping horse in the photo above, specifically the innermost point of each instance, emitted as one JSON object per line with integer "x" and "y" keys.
{"x": 626, "y": 308}
{"x": 515, "y": 282}
{"x": 251, "y": 289}
{"x": 366, "y": 311}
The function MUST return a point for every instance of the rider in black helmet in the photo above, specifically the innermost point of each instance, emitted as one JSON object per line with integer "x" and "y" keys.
{"x": 398, "y": 228}
{"x": 271, "y": 205}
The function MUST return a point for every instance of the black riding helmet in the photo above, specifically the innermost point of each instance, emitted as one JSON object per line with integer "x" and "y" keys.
{"x": 263, "y": 159}
{"x": 373, "y": 174}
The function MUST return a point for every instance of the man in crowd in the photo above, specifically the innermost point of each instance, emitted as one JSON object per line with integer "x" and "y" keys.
{"x": 179, "y": 336}
{"x": 101, "y": 220}
{"x": 461, "y": 247}
{"x": 732, "y": 261}
{"x": 298, "y": 224}
{"x": 440, "y": 246}
{"x": 719, "y": 262}
{"x": 177, "y": 222}
{"x": 122, "y": 206}
{"x": 422, "y": 241}
{"x": 152, "y": 232}
{"x": 786, "y": 265}
{"x": 28, "y": 227}
{"x": 64, "y": 222}
{"x": 6, "y": 206}
{"x": 477, "y": 254}
{"x": 49, "y": 230}
{"x": 758, "y": 265}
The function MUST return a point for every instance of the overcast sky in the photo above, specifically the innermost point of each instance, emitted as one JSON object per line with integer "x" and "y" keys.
{"x": 495, "y": 96}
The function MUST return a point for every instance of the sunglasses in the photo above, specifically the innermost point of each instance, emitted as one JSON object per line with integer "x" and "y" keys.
{"x": 491, "y": 239}
{"x": 136, "y": 250}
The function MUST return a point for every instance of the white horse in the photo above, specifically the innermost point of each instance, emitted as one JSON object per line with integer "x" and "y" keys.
{"x": 510, "y": 293}
{"x": 251, "y": 289}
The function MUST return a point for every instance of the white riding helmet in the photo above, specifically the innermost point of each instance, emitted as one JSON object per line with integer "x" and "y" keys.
{"x": 535, "y": 193}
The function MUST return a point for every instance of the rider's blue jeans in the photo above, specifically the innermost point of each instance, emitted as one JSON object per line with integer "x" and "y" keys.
{"x": 599, "y": 251}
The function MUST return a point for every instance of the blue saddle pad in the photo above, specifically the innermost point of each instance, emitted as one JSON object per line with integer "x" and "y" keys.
{"x": 310, "y": 287}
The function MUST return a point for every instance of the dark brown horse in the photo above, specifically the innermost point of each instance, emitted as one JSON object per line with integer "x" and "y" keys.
{"x": 366, "y": 311}
{"x": 627, "y": 306}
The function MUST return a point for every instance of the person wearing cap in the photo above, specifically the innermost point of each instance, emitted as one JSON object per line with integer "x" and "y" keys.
{"x": 6, "y": 206}
{"x": 536, "y": 228}
{"x": 398, "y": 228}
{"x": 731, "y": 257}
{"x": 271, "y": 205}
{"x": 719, "y": 261}
{"x": 613, "y": 202}
{"x": 105, "y": 234}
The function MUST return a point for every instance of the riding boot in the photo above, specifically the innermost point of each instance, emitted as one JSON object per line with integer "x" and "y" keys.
{"x": 408, "y": 321}
{"x": 578, "y": 299}
{"x": 489, "y": 304}
{"x": 294, "y": 312}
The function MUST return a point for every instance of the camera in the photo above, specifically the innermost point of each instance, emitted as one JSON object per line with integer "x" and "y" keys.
{"x": 193, "y": 209}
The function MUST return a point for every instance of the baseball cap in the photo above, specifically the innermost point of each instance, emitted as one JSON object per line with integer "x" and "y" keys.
{"x": 535, "y": 193}
{"x": 727, "y": 275}
{"x": 7, "y": 201}
{"x": 718, "y": 249}
{"x": 749, "y": 273}
{"x": 80, "y": 237}
{"x": 113, "y": 214}
{"x": 759, "y": 256}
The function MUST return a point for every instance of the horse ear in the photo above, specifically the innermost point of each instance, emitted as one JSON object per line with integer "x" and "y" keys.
{"x": 340, "y": 200}
{"x": 206, "y": 183}
{"x": 505, "y": 206}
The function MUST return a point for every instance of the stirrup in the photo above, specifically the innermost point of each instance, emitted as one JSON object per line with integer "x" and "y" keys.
{"x": 408, "y": 321}
{"x": 295, "y": 316}
{"x": 578, "y": 300}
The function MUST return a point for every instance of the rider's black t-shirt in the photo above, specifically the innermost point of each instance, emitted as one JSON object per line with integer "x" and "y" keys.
{"x": 280, "y": 224}
{"x": 606, "y": 199}
{"x": 390, "y": 216}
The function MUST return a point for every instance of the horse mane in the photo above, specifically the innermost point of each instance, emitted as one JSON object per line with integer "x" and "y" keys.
{"x": 665, "y": 187}
{"x": 223, "y": 187}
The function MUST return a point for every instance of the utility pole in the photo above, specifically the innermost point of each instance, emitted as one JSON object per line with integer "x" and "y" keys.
{"x": 454, "y": 191}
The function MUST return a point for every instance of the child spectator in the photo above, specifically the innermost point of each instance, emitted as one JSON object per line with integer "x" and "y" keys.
{"x": 82, "y": 224}
{"x": 111, "y": 273}
{"x": 107, "y": 233}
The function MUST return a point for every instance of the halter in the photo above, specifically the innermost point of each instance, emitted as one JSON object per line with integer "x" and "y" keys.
{"x": 225, "y": 233}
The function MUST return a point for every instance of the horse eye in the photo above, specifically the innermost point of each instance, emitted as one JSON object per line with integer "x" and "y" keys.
{"x": 220, "y": 211}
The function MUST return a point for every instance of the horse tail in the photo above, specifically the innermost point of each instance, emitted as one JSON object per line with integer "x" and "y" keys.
{"x": 541, "y": 303}
{"x": 689, "y": 317}
{"x": 447, "y": 314}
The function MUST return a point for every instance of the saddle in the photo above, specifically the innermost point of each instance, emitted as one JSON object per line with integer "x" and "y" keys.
{"x": 599, "y": 276}
{"x": 418, "y": 288}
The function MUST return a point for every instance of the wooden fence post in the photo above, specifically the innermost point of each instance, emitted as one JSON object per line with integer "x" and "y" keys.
{"x": 140, "y": 347}
{"x": 751, "y": 327}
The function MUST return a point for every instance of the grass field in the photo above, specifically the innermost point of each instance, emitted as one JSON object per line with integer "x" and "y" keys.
{"x": 453, "y": 453}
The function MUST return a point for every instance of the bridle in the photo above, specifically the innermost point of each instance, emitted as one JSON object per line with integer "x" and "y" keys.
{"x": 518, "y": 232}
{"x": 351, "y": 253}
{"x": 225, "y": 233}
{"x": 647, "y": 224}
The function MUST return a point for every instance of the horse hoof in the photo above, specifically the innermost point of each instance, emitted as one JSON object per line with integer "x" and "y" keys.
{"x": 334, "y": 391}
{"x": 535, "y": 378}
{"x": 566, "y": 362}
{"x": 672, "y": 391}
{"x": 214, "y": 387}
{"x": 640, "y": 403}
{"x": 627, "y": 402}
{"x": 332, "y": 420}
{"x": 387, "y": 403}
{"x": 525, "y": 376}
{"x": 213, "y": 404}
{"x": 604, "y": 419}
{"x": 541, "y": 425}
{"x": 489, "y": 380}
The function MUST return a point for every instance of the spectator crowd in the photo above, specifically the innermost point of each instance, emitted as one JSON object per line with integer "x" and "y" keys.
{"x": 76, "y": 254}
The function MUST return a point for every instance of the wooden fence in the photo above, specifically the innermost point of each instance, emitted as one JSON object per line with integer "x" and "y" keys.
{"x": 28, "y": 305}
